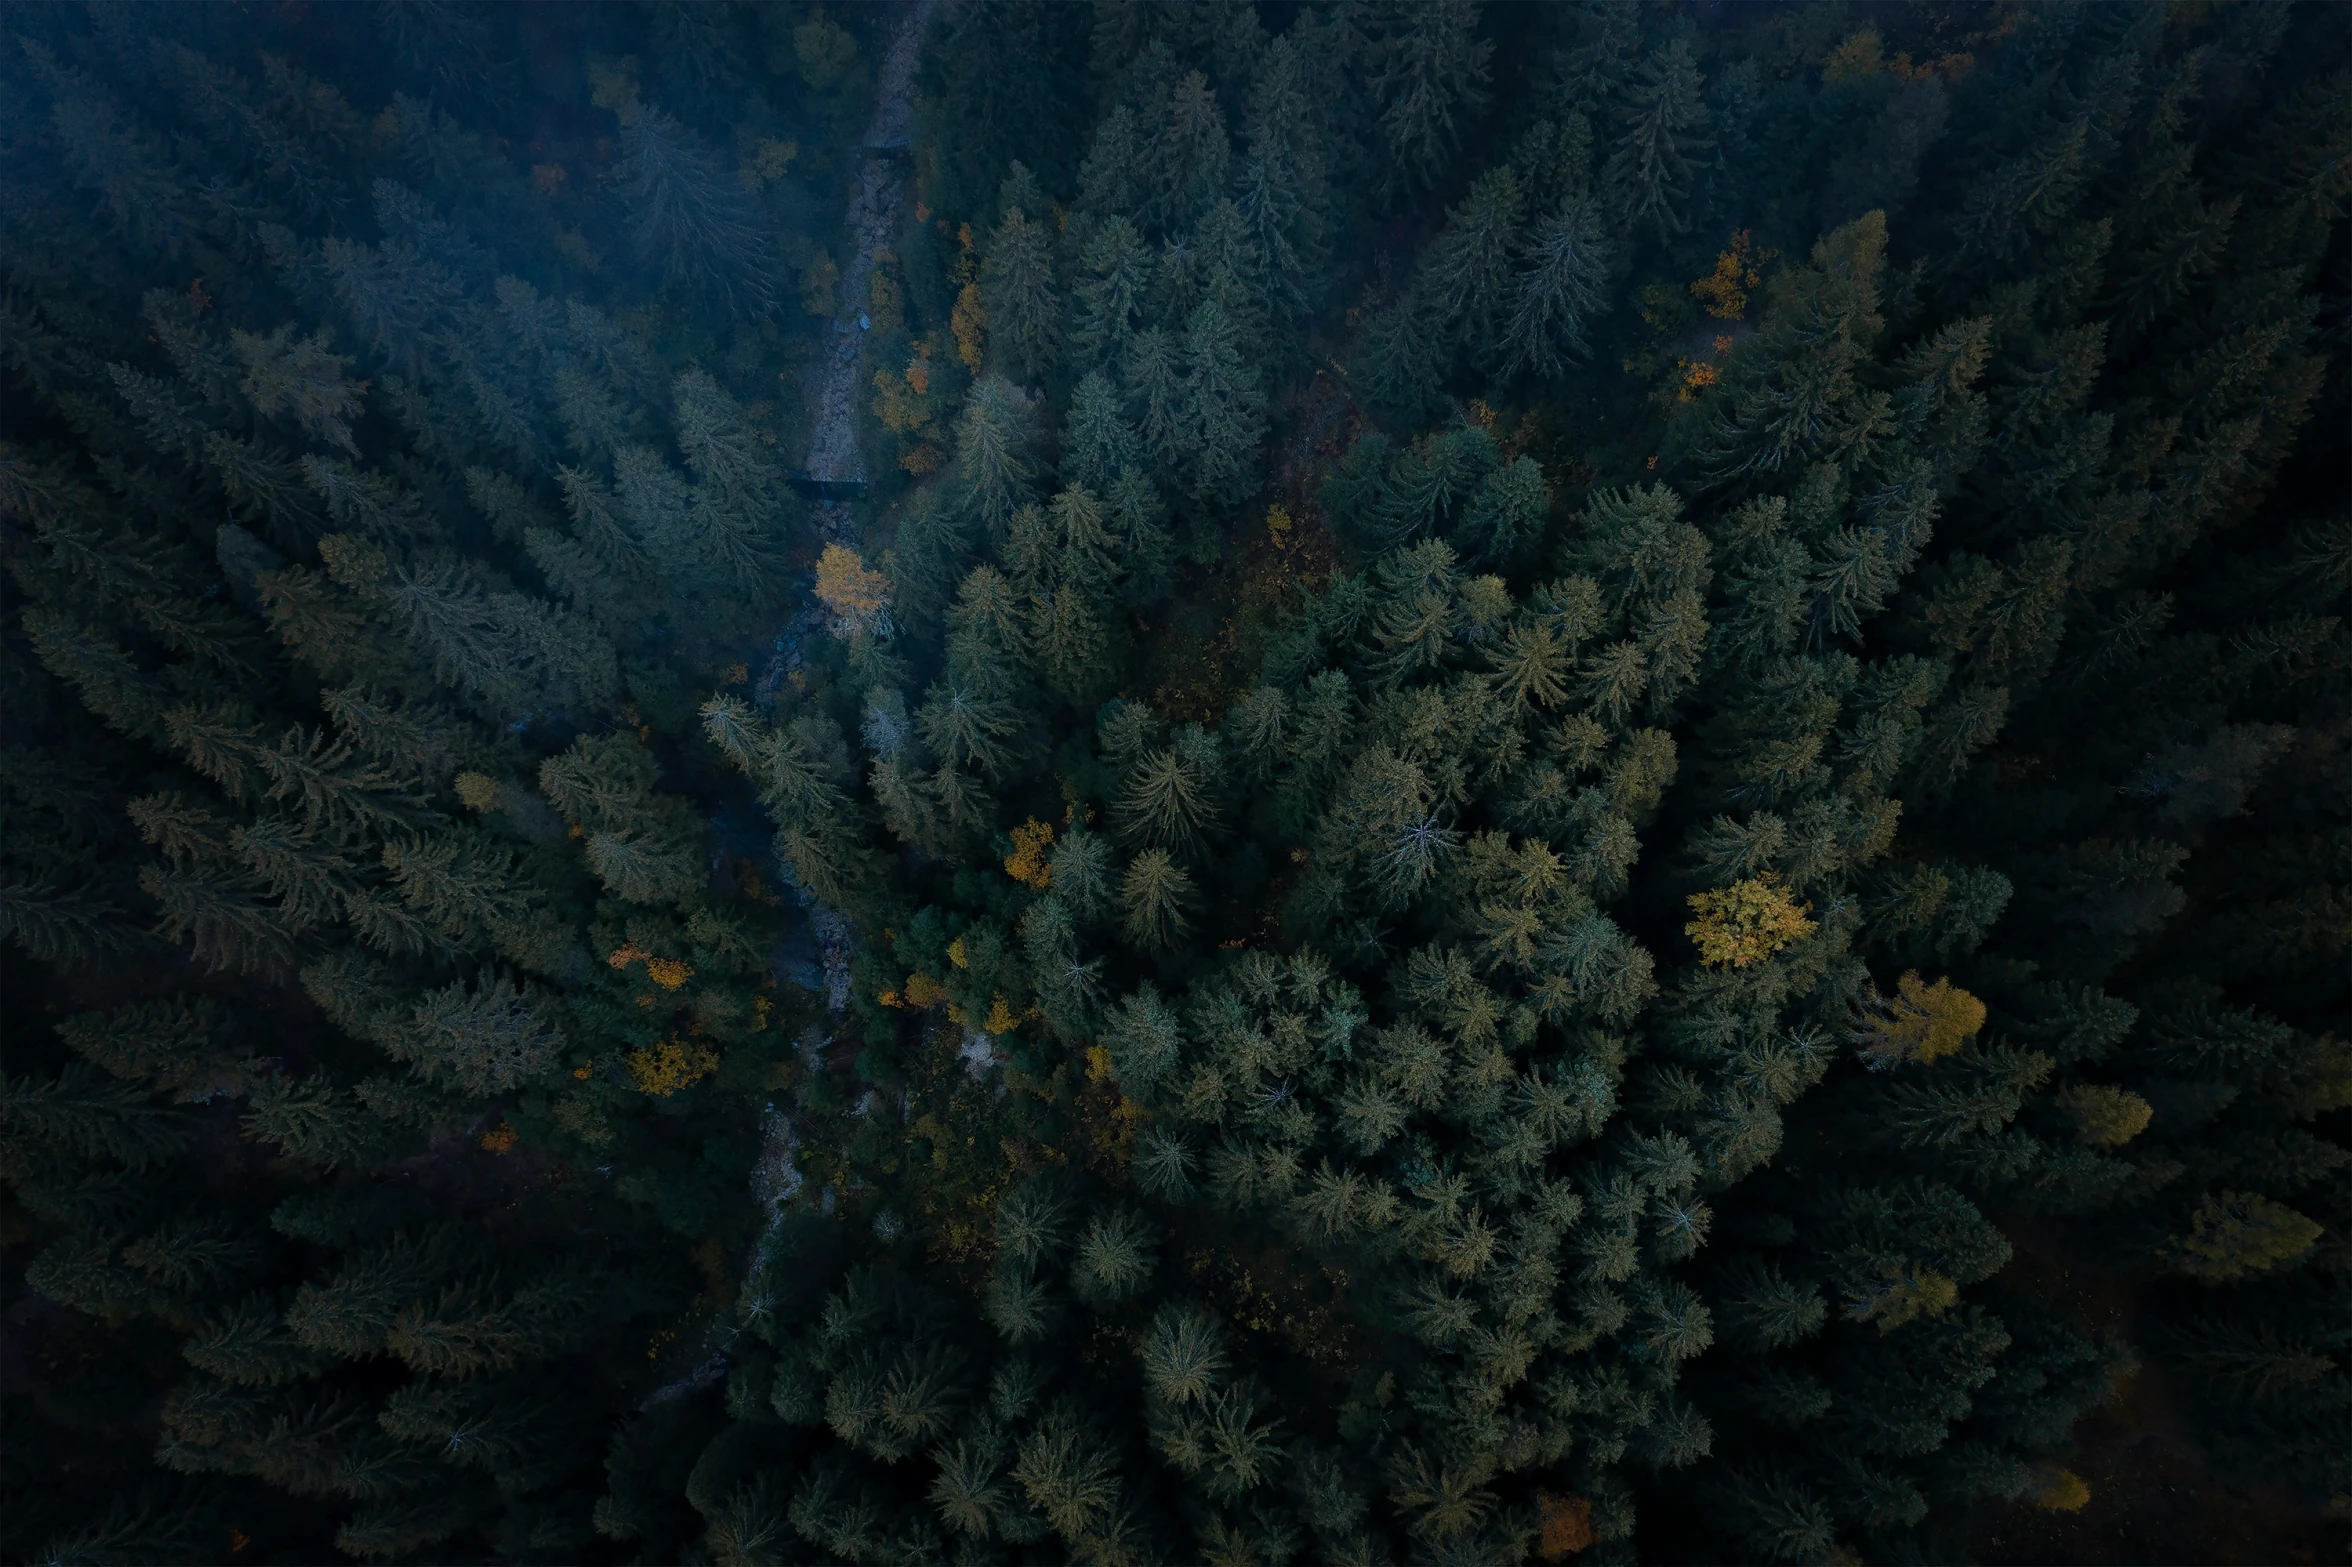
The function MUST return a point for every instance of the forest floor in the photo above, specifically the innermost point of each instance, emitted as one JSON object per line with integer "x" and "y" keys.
{"x": 2155, "y": 1496}
{"x": 1203, "y": 645}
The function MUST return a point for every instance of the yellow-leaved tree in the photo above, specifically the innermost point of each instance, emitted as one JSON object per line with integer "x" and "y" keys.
{"x": 857, "y": 596}
{"x": 1919, "y": 1023}
{"x": 1746, "y": 922}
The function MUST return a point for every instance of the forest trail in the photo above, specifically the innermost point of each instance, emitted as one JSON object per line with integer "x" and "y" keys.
{"x": 834, "y": 458}
{"x": 874, "y": 206}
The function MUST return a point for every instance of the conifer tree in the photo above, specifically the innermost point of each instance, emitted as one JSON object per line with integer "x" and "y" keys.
{"x": 1284, "y": 189}
{"x": 1428, "y": 75}
{"x": 1560, "y": 289}
{"x": 1155, "y": 897}
{"x": 1188, "y": 154}
{"x": 1662, "y": 122}
{"x": 690, "y": 219}
{"x": 994, "y": 474}
{"x": 1017, "y": 283}
{"x": 1467, "y": 271}
{"x": 1108, "y": 300}
{"x": 1222, "y": 415}
{"x": 730, "y": 521}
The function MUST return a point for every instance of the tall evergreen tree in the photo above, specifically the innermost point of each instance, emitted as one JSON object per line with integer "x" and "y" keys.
{"x": 1662, "y": 124}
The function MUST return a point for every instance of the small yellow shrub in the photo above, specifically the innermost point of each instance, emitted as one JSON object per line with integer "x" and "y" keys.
{"x": 669, "y": 973}
{"x": 2062, "y": 1491}
{"x": 2106, "y": 1116}
{"x": 902, "y": 401}
{"x": 1920, "y": 1023}
{"x": 769, "y": 160}
{"x": 969, "y": 322}
{"x": 1746, "y": 922}
{"x": 1027, "y": 863}
{"x": 2232, "y": 1234}
{"x": 661, "y": 1070}
{"x": 1724, "y": 291}
{"x": 1566, "y": 1524}
{"x": 846, "y": 587}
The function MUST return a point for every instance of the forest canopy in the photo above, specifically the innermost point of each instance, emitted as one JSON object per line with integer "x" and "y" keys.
{"x": 1016, "y": 780}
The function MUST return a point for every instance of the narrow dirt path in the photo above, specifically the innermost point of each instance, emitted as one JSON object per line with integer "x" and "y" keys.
{"x": 874, "y": 207}
{"x": 875, "y": 203}
{"x": 834, "y": 458}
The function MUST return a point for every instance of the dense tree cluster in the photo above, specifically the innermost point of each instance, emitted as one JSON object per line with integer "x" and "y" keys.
{"x": 1554, "y": 741}
{"x": 365, "y": 542}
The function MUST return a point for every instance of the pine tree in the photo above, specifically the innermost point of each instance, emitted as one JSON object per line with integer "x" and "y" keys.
{"x": 690, "y": 220}
{"x": 303, "y": 380}
{"x": 1505, "y": 516}
{"x": 1097, "y": 443}
{"x": 2022, "y": 200}
{"x": 1018, "y": 285}
{"x": 993, "y": 473}
{"x": 1222, "y": 417}
{"x": 489, "y": 1039}
{"x": 112, "y": 156}
{"x": 1561, "y": 287}
{"x": 1110, "y": 296}
{"x": 1155, "y": 391}
{"x": 1661, "y": 113}
{"x": 1156, "y": 897}
{"x": 1428, "y": 74}
{"x": 1467, "y": 270}
{"x": 80, "y": 1114}
{"x": 731, "y": 517}
{"x": 459, "y": 882}
{"x": 1107, "y": 187}
{"x": 1398, "y": 361}
{"x": 1188, "y": 155}
{"x": 222, "y": 916}
{"x": 316, "y": 1122}
{"x": 1791, "y": 396}
{"x": 509, "y": 650}
{"x": 63, "y": 926}
{"x": 1284, "y": 184}
{"x": 95, "y": 665}
{"x": 1169, "y": 797}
